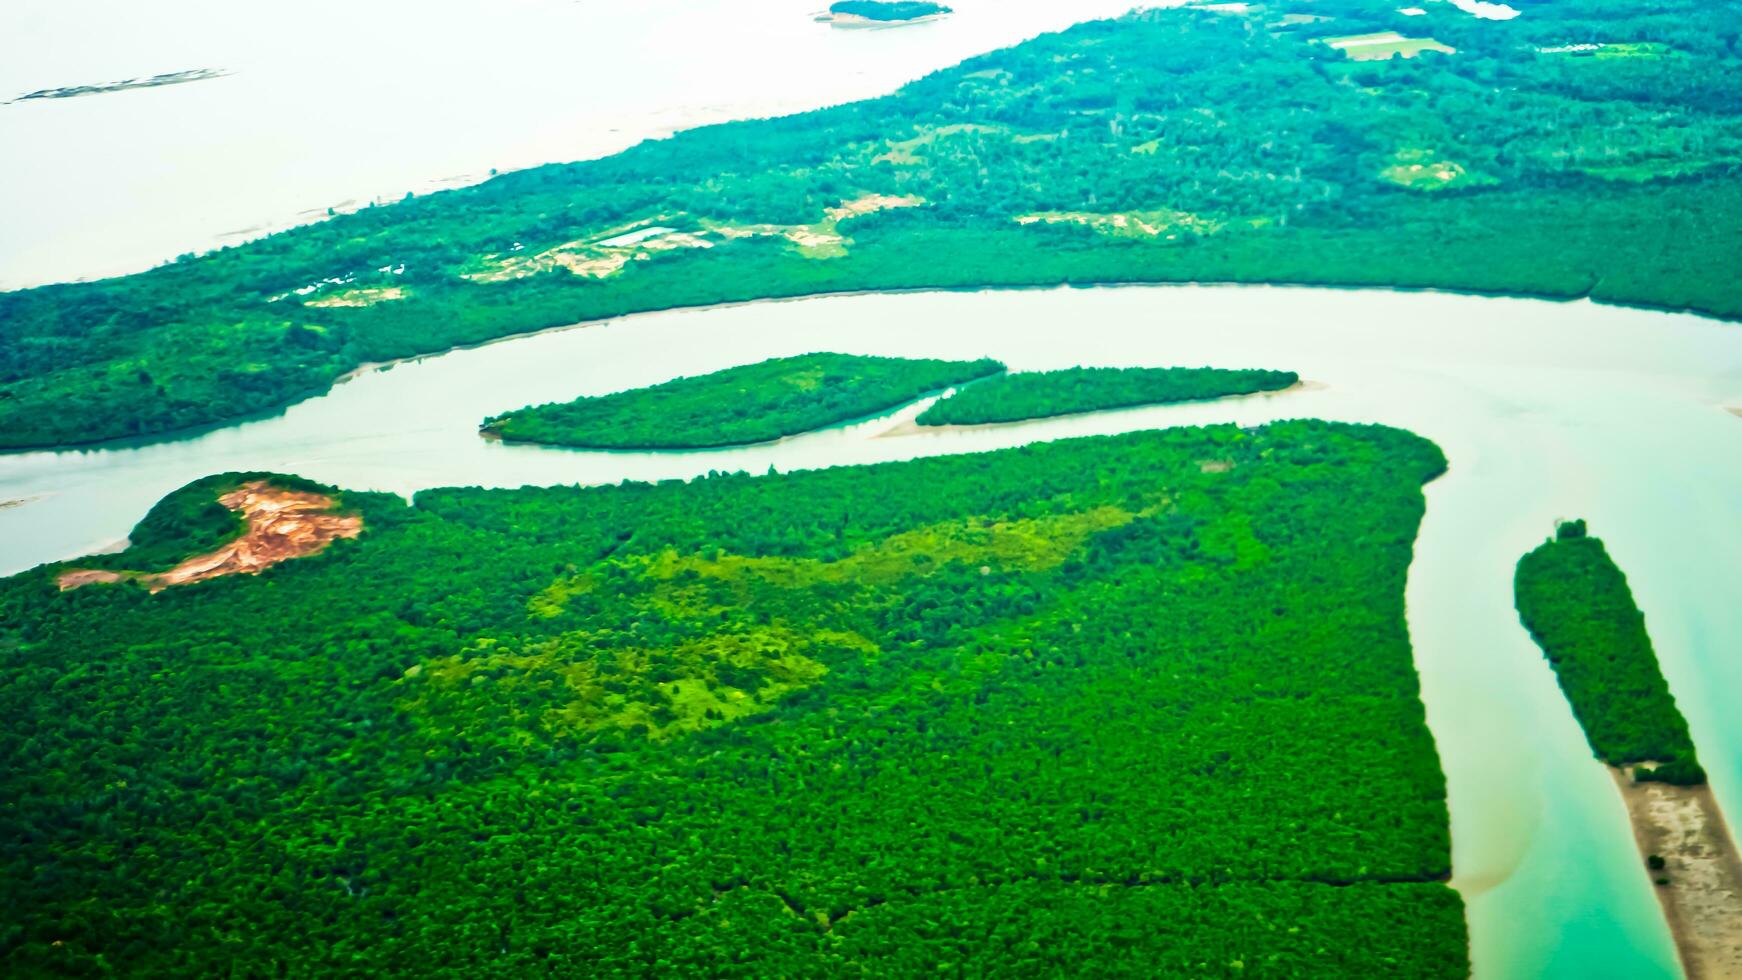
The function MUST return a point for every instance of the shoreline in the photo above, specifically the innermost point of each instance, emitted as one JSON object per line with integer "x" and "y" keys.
{"x": 1702, "y": 899}
{"x": 202, "y": 428}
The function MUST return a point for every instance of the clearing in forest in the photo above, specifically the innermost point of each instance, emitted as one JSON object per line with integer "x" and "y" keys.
{"x": 1385, "y": 45}
{"x": 281, "y": 524}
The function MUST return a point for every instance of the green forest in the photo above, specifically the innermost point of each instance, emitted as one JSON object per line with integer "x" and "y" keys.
{"x": 1576, "y": 604}
{"x": 1125, "y": 706}
{"x": 1039, "y": 394}
{"x": 1585, "y": 148}
{"x": 750, "y": 403}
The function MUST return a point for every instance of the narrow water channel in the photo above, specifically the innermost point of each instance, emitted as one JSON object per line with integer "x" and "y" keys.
{"x": 1544, "y": 410}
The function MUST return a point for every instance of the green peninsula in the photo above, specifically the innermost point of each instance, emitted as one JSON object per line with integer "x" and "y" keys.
{"x": 1073, "y": 708}
{"x": 1040, "y": 394}
{"x": 750, "y": 403}
{"x": 1176, "y": 145}
{"x": 1576, "y": 604}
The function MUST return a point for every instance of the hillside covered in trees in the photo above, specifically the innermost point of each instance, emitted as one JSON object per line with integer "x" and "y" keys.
{"x": 1586, "y": 147}
{"x": 758, "y": 402}
{"x": 1039, "y": 394}
{"x": 1576, "y": 604}
{"x": 1093, "y": 706}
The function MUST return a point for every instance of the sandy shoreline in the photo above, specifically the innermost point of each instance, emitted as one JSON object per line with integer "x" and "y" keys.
{"x": 1702, "y": 899}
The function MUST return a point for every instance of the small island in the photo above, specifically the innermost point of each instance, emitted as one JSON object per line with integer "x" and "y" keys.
{"x": 1576, "y": 604}
{"x": 1043, "y": 394}
{"x": 873, "y": 13}
{"x": 741, "y": 405}
{"x": 151, "y": 81}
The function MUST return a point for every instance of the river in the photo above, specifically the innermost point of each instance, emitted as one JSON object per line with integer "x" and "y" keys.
{"x": 329, "y": 103}
{"x": 1545, "y": 410}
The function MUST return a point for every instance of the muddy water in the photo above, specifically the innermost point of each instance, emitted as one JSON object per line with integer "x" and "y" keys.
{"x": 1545, "y": 410}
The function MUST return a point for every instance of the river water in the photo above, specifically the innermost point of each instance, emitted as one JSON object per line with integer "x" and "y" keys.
{"x": 335, "y": 103}
{"x": 1545, "y": 410}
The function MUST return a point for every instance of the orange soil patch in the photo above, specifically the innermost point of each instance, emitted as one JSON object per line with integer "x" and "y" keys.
{"x": 282, "y": 524}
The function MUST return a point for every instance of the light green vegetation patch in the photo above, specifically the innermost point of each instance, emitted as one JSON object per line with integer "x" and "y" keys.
{"x": 731, "y": 674}
{"x": 1422, "y": 169}
{"x": 819, "y": 239}
{"x": 1385, "y": 45}
{"x": 912, "y": 151}
{"x": 1609, "y": 49}
{"x": 1149, "y": 223}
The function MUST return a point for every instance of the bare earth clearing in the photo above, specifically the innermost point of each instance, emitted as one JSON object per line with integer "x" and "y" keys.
{"x": 282, "y": 524}
{"x": 1703, "y": 897}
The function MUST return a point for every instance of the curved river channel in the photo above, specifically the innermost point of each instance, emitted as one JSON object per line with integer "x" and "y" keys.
{"x": 1545, "y": 410}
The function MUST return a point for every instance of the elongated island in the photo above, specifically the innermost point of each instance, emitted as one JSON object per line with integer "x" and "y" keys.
{"x": 1576, "y": 604}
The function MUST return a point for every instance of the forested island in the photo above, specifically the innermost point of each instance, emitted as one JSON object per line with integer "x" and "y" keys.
{"x": 885, "y": 11}
{"x": 1576, "y": 604}
{"x": 1168, "y": 145}
{"x": 1067, "y": 708}
{"x": 750, "y": 403}
{"x": 1040, "y": 394}
{"x": 150, "y": 81}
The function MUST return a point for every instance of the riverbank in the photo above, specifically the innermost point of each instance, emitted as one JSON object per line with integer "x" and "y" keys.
{"x": 369, "y": 367}
{"x": 1700, "y": 883}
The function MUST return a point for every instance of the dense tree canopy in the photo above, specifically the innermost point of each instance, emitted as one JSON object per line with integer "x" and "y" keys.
{"x": 1038, "y": 394}
{"x": 757, "y": 402}
{"x": 1089, "y": 707}
{"x": 1587, "y": 147}
{"x": 1576, "y": 603}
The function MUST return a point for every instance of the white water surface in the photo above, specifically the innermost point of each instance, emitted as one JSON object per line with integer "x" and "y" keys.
{"x": 336, "y": 104}
{"x": 1544, "y": 410}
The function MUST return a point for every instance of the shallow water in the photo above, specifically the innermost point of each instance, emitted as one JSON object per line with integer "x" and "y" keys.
{"x": 1545, "y": 410}
{"x": 331, "y": 102}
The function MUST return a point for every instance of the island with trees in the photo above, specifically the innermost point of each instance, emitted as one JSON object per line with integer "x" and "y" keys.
{"x": 750, "y": 403}
{"x": 1042, "y": 394}
{"x": 1062, "y": 709}
{"x": 1576, "y": 604}
{"x": 884, "y": 12}
{"x": 1150, "y": 148}
{"x": 126, "y": 84}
